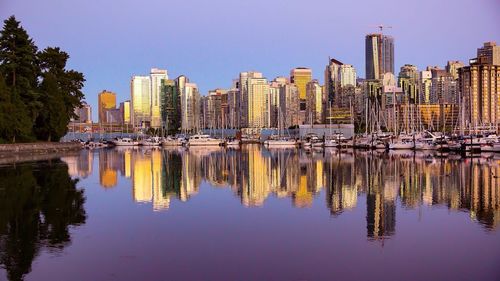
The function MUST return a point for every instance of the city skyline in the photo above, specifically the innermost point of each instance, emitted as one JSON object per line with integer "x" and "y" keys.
{"x": 213, "y": 59}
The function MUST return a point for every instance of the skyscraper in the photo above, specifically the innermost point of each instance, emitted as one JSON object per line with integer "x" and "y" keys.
{"x": 106, "y": 101}
{"x": 157, "y": 75}
{"x": 314, "y": 104}
{"x": 452, "y": 67}
{"x": 489, "y": 54}
{"x": 379, "y": 55}
{"x": 300, "y": 76}
{"x": 347, "y": 75}
{"x": 289, "y": 105}
{"x": 243, "y": 87}
{"x": 332, "y": 81}
{"x": 443, "y": 87}
{"x": 425, "y": 87}
{"x": 408, "y": 80}
{"x": 190, "y": 106}
{"x": 125, "y": 111}
{"x": 258, "y": 100}
{"x": 83, "y": 113}
{"x": 479, "y": 85}
{"x": 170, "y": 104}
{"x": 140, "y": 87}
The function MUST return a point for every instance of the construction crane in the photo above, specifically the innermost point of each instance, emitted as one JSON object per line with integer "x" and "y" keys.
{"x": 381, "y": 27}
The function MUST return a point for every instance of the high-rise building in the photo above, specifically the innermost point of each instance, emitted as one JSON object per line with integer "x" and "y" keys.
{"x": 243, "y": 87}
{"x": 157, "y": 76}
{"x": 425, "y": 87}
{"x": 479, "y": 87}
{"x": 83, "y": 114}
{"x": 332, "y": 81}
{"x": 408, "y": 80}
{"x": 300, "y": 76}
{"x": 140, "y": 97}
{"x": 125, "y": 111}
{"x": 215, "y": 114}
{"x": 106, "y": 100}
{"x": 443, "y": 87}
{"x": 190, "y": 106}
{"x": 274, "y": 101}
{"x": 489, "y": 54}
{"x": 379, "y": 55}
{"x": 170, "y": 106}
{"x": 452, "y": 67}
{"x": 347, "y": 75}
{"x": 233, "y": 104}
{"x": 289, "y": 105}
{"x": 314, "y": 102}
{"x": 258, "y": 100}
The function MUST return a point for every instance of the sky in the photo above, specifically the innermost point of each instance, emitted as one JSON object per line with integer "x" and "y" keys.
{"x": 211, "y": 42}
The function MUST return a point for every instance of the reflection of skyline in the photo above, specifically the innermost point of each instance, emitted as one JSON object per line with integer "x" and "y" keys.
{"x": 254, "y": 174}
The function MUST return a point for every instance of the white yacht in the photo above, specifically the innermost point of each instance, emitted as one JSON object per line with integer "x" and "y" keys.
{"x": 490, "y": 147}
{"x": 204, "y": 140}
{"x": 274, "y": 141}
{"x": 125, "y": 142}
{"x": 403, "y": 143}
{"x": 232, "y": 142}
{"x": 332, "y": 143}
{"x": 152, "y": 141}
{"x": 169, "y": 141}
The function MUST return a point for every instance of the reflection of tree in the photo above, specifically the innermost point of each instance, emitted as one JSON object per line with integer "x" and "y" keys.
{"x": 37, "y": 206}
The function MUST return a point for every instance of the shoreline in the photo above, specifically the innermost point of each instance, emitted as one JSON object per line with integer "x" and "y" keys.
{"x": 22, "y": 152}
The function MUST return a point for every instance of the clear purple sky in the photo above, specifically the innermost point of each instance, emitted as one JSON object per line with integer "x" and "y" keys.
{"x": 212, "y": 41}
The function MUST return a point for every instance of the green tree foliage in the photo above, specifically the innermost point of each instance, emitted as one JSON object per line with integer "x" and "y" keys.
{"x": 37, "y": 93}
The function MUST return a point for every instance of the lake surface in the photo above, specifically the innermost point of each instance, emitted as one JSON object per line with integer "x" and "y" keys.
{"x": 250, "y": 214}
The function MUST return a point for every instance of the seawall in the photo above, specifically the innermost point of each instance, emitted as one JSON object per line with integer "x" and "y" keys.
{"x": 37, "y": 148}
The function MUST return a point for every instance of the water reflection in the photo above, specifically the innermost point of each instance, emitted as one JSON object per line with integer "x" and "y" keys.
{"x": 254, "y": 174}
{"x": 38, "y": 204}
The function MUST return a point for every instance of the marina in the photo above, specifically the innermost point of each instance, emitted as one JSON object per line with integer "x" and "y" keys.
{"x": 306, "y": 211}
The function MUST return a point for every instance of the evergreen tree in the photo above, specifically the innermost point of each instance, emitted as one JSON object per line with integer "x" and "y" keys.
{"x": 14, "y": 121}
{"x": 37, "y": 94}
{"x": 52, "y": 119}
{"x": 18, "y": 63}
{"x": 60, "y": 92}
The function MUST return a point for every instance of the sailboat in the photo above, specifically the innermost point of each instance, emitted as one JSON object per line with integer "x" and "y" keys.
{"x": 280, "y": 140}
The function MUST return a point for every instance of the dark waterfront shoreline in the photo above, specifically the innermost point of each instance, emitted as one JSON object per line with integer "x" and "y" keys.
{"x": 25, "y": 152}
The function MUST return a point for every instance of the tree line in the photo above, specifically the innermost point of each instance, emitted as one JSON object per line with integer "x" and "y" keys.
{"x": 38, "y": 94}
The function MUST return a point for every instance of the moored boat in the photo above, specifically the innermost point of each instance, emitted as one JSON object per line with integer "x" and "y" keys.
{"x": 204, "y": 140}
{"x": 124, "y": 142}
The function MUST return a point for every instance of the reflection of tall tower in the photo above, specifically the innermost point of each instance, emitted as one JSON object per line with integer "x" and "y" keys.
{"x": 172, "y": 173}
{"x": 304, "y": 197}
{"x": 341, "y": 189}
{"x": 191, "y": 175}
{"x": 108, "y": 167}
{"x": 380, "y": 216}
{"x": 161, "y": 200}
{"x": 258, "y": 187}
{"x": 141, "y": 178}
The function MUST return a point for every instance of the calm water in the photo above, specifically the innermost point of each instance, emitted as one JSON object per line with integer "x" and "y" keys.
{"x": 250, "y": 214}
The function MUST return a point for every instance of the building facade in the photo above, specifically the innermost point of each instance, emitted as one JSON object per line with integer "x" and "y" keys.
{"x": 156, "y": 76}
{"x": 314, "y": 103}
{"x": 379, "y": 55}
{"x": 479, "y": 86}
{"x": 489, "y": 54}
{"x": 190, "y": 108}
{"x": 106, "y": 101}
{"x": 140, "y": 98}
